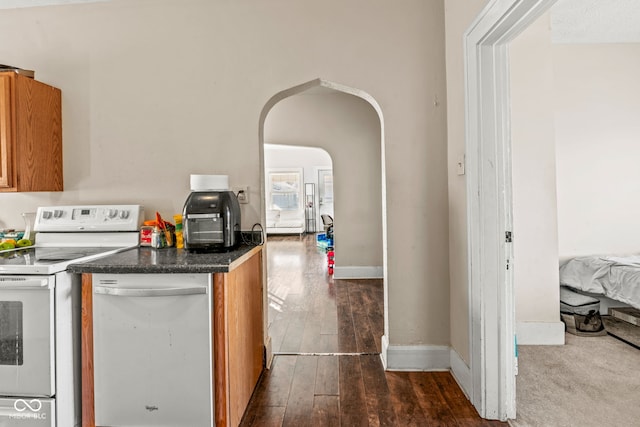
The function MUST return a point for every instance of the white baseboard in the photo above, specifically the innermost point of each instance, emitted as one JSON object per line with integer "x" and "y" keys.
{"x": 416, "y": 357}
{"x": 461, "y": 372}
{"x": 358, "y": 272}
{"x": 426, "y": 358}
{"x": 268, "y": 352}
{"x": 383, "y": 354}
{"x": 540, "y": 333}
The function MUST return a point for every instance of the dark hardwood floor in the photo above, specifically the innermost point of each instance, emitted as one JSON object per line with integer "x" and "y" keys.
{"x": 310, "y": 312}
{"x": 327, "y": 369}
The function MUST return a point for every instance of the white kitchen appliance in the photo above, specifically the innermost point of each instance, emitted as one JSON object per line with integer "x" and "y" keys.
{"x": 152, "y": 345}
{"x": 40, "y": 310}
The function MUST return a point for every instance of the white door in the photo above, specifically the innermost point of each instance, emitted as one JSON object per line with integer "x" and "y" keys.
{"x": 26, "y": 336}
{"x": 152, "y": 350}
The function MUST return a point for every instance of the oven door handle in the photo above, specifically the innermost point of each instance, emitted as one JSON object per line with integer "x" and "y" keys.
{"x": 24, "y": 285}
{"x": 148, "y": 292}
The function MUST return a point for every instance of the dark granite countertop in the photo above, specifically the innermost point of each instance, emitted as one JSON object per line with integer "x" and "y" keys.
{"x": 146, "y": 260}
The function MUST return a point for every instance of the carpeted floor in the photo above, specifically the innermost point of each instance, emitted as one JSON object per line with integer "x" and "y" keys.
{"x": 590, "y": 381}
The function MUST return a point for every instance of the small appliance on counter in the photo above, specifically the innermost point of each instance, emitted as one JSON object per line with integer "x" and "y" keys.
{"x": 211, "y": 215}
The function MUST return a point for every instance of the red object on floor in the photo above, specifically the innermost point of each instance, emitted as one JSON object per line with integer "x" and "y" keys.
{"x": 330, "y": 260}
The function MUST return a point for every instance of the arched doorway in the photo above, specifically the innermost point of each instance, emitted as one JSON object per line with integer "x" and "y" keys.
{"x": 351, "y": 267}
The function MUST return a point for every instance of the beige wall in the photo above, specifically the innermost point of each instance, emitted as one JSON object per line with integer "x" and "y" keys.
{"x": 597, "y": 113}
{"x": 459, "y": 15}
{"x": 535, "y": 225}
{"x": 154, "y": 90}
{"x": 348, "y": 128}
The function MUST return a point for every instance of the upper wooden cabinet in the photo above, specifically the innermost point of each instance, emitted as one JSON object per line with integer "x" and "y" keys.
{"x": 30, "y": 135}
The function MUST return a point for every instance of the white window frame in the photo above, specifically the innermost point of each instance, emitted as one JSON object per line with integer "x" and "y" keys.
{"x": 272, "y": 173}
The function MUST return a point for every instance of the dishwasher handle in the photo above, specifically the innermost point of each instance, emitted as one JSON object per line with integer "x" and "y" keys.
{"x": 148, "y": 292}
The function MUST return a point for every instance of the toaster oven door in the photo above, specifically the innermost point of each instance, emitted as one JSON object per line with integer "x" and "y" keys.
{"x": 205, "y": 229}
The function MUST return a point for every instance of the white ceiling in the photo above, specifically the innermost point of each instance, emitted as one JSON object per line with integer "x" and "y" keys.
{"x": 595, "y": 21}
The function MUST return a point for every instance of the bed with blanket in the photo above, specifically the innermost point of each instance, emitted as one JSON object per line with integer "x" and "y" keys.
{"x": 615, "y": 277}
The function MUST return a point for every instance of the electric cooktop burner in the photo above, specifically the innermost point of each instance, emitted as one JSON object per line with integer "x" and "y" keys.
{"x": 65, "y": 254}
{"x": 47, "y": 260}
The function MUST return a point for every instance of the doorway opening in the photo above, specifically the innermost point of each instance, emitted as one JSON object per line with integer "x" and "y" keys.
{"x": 299, "y": 188}
{"x": 490, "y": 202}
{"x": 309, "y": 115}
{"x": 573, "y": 139}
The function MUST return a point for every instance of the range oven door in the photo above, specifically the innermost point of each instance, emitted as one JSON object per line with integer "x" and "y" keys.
{"x": 27, "y": 336}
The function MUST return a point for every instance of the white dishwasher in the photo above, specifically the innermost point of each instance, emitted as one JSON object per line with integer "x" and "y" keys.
{"x": 152, "y": 344}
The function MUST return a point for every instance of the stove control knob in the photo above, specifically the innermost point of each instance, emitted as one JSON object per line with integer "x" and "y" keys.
{"x": 112, "y": 213}
{"x": 124, "y": 214}
{"x": 46, "y": 214}
{"x": 58, "y": 213}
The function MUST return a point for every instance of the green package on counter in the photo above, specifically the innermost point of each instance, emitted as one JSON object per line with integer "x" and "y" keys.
{"x": 158, "y": 239}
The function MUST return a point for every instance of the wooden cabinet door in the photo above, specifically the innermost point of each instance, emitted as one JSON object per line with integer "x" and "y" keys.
{"x": 30, "y": 135}
{"x": 238, "y": 338}
{"x": 38, "y": 136}
{"x": 245, "y": 338}
{"x": 6, "y": 140}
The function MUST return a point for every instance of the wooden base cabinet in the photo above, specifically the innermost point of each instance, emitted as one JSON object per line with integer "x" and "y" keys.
{"x": 30, "y": 135}
{"x": 239, "y": 338}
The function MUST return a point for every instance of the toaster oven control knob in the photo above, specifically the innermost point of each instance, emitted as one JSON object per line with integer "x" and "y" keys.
{"x": 46, "y": 214}
{"x": 124, "y": 214}
{"x": 112, "y": 213}
{"x": 58, "y": 213}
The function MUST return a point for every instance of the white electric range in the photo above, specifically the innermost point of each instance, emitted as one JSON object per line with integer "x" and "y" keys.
{"x": 40, "y": 310}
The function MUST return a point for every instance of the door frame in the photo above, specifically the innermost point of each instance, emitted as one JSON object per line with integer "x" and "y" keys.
{"x": 489, "y": 202}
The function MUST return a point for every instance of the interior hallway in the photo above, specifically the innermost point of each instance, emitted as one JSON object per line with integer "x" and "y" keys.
{"x": 327, "y": 369}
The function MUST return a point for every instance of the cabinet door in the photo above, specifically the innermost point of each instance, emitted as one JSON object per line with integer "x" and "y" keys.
{"x": 30, "y": 135}
{"x": 5, "y": 132}
{"x": 245, "y": 334}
